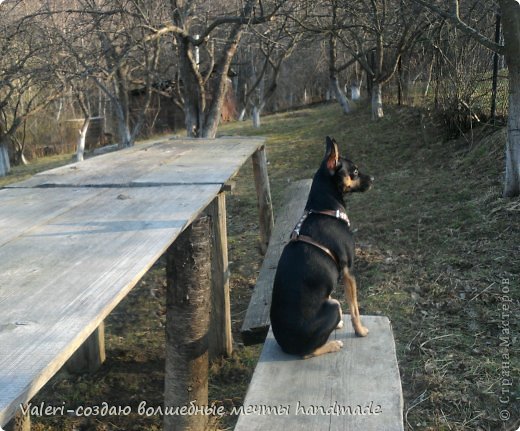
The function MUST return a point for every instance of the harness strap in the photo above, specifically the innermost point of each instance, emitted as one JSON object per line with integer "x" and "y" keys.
{"x": 341, "y": 215}
{"x": 296, "y": 236}
{"x": 309, "y": 240}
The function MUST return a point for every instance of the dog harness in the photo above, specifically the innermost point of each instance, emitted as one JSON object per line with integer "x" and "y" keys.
{"x": 296, "y": 236}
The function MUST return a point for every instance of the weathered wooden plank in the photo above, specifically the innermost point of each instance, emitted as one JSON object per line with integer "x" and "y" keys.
{"x": 263, "y": 192}
{"x": 169, "y": 161}
{"x": 61, "y": 279}
{"x": 220, "y": 339}
{"x": 256, "y": 321}
{"x": 166, "y": 162}
{"x": 116, "y": 168}
{"x": 23, "y": 209}
{"x": 213, "y": 164}
{"x": 358, "y": 388}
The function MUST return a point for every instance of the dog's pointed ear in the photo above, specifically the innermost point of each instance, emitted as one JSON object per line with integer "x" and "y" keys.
{"x": 331, "y": 154}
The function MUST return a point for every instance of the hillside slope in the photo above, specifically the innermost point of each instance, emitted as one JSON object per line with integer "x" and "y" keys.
{"x": 437, "y": 252}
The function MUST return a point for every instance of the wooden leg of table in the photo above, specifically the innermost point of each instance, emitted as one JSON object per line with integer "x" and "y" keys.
{"x": 221, "y": 339}
{"x": 91, "y": 354}
{"x": 188, "y": 293}
{"x": 263, "y": 192}
{"x": 21, "y": 422}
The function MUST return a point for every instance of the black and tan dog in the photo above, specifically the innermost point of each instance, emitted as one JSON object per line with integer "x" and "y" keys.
{"x": 321, "y": 250}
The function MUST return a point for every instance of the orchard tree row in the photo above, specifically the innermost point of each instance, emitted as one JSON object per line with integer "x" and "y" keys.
{"x": 72, "y": 58}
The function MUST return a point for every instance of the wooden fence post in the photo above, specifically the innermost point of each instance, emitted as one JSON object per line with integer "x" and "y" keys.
{"x": 188, "y": 274}
{"x": 263, "y": 192}
{"x": 221, "y": 339}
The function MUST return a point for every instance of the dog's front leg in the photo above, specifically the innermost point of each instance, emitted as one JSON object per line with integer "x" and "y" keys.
{"x": 351, "y": 294}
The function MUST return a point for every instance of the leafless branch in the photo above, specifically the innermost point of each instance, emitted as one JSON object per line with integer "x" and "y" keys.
{"x": 454, "y": 17}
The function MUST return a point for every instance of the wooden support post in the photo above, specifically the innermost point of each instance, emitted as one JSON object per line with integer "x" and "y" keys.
{"x": 91, "y": 355}
{"x": 188, "y": 274}
{"x": 20, "y": 422}
{"x": 221, "y": 339}
{"x": 263, "y": 192}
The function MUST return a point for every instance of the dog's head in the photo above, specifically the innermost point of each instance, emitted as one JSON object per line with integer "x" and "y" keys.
{"x": 344, "y": 172}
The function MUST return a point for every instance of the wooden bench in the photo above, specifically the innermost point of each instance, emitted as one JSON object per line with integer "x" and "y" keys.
{"x": 256, "y": 321}
{"x": 358, "y": 388}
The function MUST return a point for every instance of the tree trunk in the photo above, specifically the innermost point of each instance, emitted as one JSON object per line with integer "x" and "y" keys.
{"x": 371, "y": 60}
{"x": 192, "y": 91}
{"x": 512, "y": 179}
{"x": 5, "y": 165}
{"x": 125, "y": 137}
{"x": 80, "y": 151}
{"x": 355, "y": 88}
{"x": 187, "y": 325}
{"x": 256, "y": 117}
{"x": 212, "y": 119}
{"x": 429, "y": 79}
{"x": 511, "y": 27}
{"x": 19, "y": 150}
{"x": 377, "y": 100}
{"x": 333, "y": 73}
{"x": 123, "y": 109}
{"x": 377, "y": 84}
{"x": 19, "y": 158}
{"x": 339, "y": 95}
{"x": 400, "y": 80}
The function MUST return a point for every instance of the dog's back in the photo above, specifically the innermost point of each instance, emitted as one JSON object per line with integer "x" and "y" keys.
{"x": 303, "y": 282}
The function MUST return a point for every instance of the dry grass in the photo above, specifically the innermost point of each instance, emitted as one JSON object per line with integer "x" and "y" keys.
{"x": 436, "y": 244}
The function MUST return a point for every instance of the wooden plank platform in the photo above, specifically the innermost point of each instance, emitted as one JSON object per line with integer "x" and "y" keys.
{"x": 76, "y": 239}
{"x": 163, "y": 162}
{"x": 256, "y": 321}
{"x": 62, "y": 278}
{"x": 356, "y": 389}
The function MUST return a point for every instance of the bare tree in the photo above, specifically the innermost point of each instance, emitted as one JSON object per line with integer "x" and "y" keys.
{"x": 303, "y": 77}
{"x": 267, "y": 48}
{"x": 25, "y": 80}
{"x": 375, "y": 33}
{"x": 324, "y": 21}
{"x": 215, "y": 30}
{"x": 334, "y": 33}
{"x": 103, "y": 42}
{"x": 510, "y": 11}
{"x": 378, "y": 33}
{"x": 128, "y": 61}
{"x": 81, "y": 95}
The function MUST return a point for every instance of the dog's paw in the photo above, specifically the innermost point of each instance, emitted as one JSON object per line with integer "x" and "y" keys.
{"x": 336, "y": 345}
{"x": 361, "y": 331}
{"x": 330, "y": 347}
{"x": 340, "y": 324}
